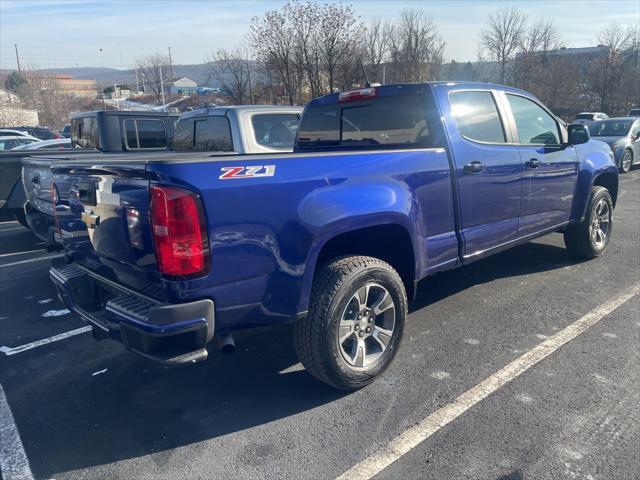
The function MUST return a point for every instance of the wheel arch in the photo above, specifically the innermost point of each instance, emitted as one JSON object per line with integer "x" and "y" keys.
{"x": 608, "y": 180}
{"x": 387, "y": 237}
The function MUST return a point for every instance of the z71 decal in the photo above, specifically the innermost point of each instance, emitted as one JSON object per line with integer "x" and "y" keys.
{"x": 247, "y": 172}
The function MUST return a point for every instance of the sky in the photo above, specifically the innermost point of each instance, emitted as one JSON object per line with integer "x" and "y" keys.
{"x": 69, "y": 33}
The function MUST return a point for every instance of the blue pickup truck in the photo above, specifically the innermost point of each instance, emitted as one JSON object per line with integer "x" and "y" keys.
{"x": 386, "y": 185}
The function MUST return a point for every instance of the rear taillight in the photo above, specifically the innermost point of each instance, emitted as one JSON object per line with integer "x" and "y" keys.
{"x": 181, "y": 244}
{"x": 361, "y": 94}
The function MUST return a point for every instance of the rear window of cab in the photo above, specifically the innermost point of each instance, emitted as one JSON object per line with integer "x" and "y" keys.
{"x": 393, "y": 121}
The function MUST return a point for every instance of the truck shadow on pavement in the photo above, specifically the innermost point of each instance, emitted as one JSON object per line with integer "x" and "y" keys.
{"x": 136, "y": 408}
{"x": 529, "y": 258}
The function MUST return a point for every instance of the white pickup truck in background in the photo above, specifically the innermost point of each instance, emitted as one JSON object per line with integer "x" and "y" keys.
{"x": 238, "y": 129}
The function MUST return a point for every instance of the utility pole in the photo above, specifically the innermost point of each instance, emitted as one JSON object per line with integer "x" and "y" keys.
{"x": 164, "y": 107}
{"x": 170, "y": 64}
{"x": 17, "y": 58}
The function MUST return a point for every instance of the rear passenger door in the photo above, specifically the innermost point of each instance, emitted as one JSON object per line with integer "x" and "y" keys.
{"x": 551, "y": 166}
{"x": 488, "y": 170}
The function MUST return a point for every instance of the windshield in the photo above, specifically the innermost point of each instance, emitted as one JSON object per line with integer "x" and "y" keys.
{"x": 610, "y": 128}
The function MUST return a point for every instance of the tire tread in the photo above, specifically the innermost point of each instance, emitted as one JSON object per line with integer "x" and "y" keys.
{"x": 309, "y": 333}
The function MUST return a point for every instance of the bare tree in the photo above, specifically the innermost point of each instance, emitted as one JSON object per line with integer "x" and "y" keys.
{"x": 236, "y": 73}
{"x": 416, "y": 48}
{"x": 536, "y": 41}
{"x": 503, "y": 36}
{"x": 273, "y": 38}
{"x": 155, "y": 72}
{"x": 307, "y": 45}
{"x": 607, "y": 71}
{"x": 339, "y": 31}
{"x": 376, "y": 47}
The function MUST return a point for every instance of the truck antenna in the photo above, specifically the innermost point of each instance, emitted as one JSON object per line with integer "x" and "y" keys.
{"x": 364, "y": 73}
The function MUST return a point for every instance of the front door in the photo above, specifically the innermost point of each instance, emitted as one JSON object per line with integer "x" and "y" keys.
{"x": 551, "y": 168}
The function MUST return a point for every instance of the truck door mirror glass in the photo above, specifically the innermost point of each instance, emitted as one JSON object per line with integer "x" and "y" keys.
{"x": 578, "y": 134}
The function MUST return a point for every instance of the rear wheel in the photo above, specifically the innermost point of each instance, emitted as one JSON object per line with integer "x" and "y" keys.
{"x": 626, "y": 161}
{"x": 355, "y": 323}
{"x": 589, "y": 239}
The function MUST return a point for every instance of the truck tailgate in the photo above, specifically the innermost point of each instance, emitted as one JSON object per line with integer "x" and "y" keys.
{"x": 113, "y": 204}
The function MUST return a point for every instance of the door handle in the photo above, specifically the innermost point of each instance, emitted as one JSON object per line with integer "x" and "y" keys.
{"x": 473, "y": 167}
{"x": 533, "y": 163}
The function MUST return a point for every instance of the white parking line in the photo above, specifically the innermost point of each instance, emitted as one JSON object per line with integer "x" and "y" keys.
{"x": 8, "y": 351}
{"x": 13, "y": 460}
{"x": 48, "y": 257}
{"x": 20, "y": 253}
{"x": 414, "y": 436}
{"x": 11, "y": 229}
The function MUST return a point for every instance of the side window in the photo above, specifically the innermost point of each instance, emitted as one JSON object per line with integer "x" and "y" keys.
{"x": 143, "y": 134}
{"x": 151, "y": 134}
{"x": 213, "y": 134}
{"x": 131, "y": 136}
{"x": 85, "y": 133}
{"x": 183, "y": 134}
{"x": 275, "y": 130}
{"x": 535, "y": 126}
{"x": 477, "y": 117}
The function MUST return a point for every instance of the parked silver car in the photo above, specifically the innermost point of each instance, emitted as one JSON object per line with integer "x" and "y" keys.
{"x": 634, "y": 112}
{"x": 622, "y": 134}
{"x": 587, "y": 118}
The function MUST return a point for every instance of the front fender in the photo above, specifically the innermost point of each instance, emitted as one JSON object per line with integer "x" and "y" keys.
{"x": 354, "y": 205}
{"x": 595, "y": 160}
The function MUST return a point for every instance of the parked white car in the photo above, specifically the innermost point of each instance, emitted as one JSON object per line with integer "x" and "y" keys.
{"x": 587, "y": 118}
{"x": 49, "y": 144}
{"x": 9, "y": 142}
{"x": 12, "y": 132}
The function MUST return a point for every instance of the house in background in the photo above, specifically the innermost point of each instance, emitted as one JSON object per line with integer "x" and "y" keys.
{"x": 183, "y": 86}
{"x": 76, "y": 87}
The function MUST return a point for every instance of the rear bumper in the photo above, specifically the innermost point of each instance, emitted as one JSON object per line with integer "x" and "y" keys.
{"x": 169, "y": 333}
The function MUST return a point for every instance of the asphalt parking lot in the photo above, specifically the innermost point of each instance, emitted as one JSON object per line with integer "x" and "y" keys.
{"x": 83, "y": 409}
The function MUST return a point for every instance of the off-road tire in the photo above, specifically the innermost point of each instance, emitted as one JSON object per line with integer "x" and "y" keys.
{"x": 316, "y": 336}
{"x": 578, "y": 238}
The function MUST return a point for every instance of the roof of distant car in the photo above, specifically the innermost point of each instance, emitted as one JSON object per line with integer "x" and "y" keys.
{"x": 221, "y": 110}
{"x": 20, "y": 137}
{"x": 11, "y": 131}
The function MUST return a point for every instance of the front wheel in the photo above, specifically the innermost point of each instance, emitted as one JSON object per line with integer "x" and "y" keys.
{"x": 626, "y": 161}
{"x": 589, "y": 239}
{"x": 355, "y": 323}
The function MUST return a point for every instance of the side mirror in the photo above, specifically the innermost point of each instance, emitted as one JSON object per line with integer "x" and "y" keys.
{"x": 578, "y": 134}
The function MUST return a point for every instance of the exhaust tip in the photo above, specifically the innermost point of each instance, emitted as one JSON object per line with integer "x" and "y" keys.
{"x": 226, "y": 343}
